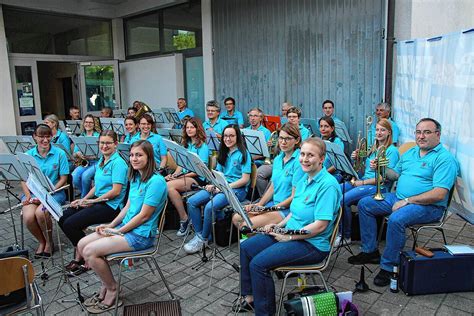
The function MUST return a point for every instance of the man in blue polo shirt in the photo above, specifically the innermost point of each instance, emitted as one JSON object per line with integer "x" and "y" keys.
{"x": 183, "y": 110}
{"x": 425, "y": 174}
{"x": 231, "y": 115}
{"x": 213, "y": 122}
{"x": 382, "y": 110}
{"x": 255, "y": 118}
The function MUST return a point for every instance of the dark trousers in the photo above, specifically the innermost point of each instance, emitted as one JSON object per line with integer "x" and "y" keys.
{"x": 75, "y": 220}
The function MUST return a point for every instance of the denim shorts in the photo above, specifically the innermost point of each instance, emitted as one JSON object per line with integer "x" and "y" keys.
{"x": 138, "y": 242}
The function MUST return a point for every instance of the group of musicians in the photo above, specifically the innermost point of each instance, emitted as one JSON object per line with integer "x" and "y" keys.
{"x": 301, "y": 186}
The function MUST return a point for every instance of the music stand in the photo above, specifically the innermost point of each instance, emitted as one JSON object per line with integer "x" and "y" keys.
{"x": 159, "y": 116}
{"x": 171, "y": 115}
{"x": 88, "y": 145}
{"x": 18, "y": 144}
{"x": 311, "y": 124}
{"x": 113, "y": 124}
{"x": 164, "y": 132}
{"x": 62, "y": 126}
{"x": 341, "y": 131}
{"x": 74, "y": 126}
{"x": 273, "y": 123}
{"x": 120, "y": 113}
{"x": 68, "y": 154}
{"x": 124, "y": 151}
{"x": 176, "y": 135}
{"x": 212, "y": 141}
{"x": 12, "y": 170}
{"x": 29, "y": 163}
{"x": 256, "y": 143}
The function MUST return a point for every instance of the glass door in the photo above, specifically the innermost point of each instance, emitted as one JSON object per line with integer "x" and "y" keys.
{"x": 100, "y": 85}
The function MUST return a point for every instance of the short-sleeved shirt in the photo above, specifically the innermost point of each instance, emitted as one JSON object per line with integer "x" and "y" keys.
{"x": 236, "y": 118}
{"x": 336, "y": 119}
{"x": 261, "y": 128}
{"x": 113, "y": 172}
{"x": 305, "y": 133}
{"x": 129, "y": 139}
{"x": 153, "y": 193}
{"x": 54, "y": 165}
{"x": 285, "y": 175}
{"x": 437, "y": 169}
{"x": 234, "y": 168}
{"x": 317, "y": 200}
{"x": 395, "y": 132}
{"x": 392, "y": 155}
{"x": 159, "y": 147}
{"x": 186, "y": 112}
{"x": 63, "y": 139}
{"x": 218, "y": 125}
{"x": 202, "y": 152}
{"x": 94, "y": 134}
{"x": 340, "y": 143}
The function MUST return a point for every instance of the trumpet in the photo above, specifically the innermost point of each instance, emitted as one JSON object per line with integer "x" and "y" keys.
{"x": 264, "y": 209}
{"x": 382, "y": 163}
{"x": 362, "y": 149}
{"x": 276, "y": 230}
{"x": 272, "y": 148}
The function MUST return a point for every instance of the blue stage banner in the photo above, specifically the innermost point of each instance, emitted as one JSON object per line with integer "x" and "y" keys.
{"x": 435, "y": 78}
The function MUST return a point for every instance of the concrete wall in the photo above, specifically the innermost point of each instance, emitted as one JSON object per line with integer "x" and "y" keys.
{"x": 430, "y": 18}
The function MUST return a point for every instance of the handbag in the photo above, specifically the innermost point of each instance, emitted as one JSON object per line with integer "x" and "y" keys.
{"x": 322, "y": 304}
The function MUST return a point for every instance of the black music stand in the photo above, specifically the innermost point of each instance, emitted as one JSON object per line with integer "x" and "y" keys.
{"x": 124, "y": 151}
{"x": 171, "y": 115}
{"x": 18, "y": 144}
{"x": 31, "y": 166}
{"x": 113, "y": 124}
{"x": 74, "y": 126}
{"x": 67, "y": 152}
{"x": 164, "y": 132}
{"x": 311, "y": 124}
{"x": 88, "y": 145}
{"x": 256, "y": 143}
{"x": 159, "y": 116}
{"x": 12, "y": 170}
{"x": 212, "y": 141}
{"x": 176, "y": 135}
{"x": 341, "y": 131}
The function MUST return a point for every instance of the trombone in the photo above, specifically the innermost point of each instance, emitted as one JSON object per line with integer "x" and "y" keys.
{"x": 382, "y": 163}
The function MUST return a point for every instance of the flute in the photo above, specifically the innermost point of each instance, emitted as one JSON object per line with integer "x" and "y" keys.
{"x": 276, "y": 230}
{"x": 95, "y": 202}
{"x": 264, "y": 209}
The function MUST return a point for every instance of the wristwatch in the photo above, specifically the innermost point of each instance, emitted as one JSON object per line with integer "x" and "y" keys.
{"x": 406, "y": 200}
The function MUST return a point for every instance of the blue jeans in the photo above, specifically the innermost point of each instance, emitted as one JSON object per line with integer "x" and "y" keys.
{"x": 203, "y": 228}
{"x": 82, "y": 178}
{"x": 352, "y": 195}
{"x": 262, "y": 253}
{"x": 398, "y": 221}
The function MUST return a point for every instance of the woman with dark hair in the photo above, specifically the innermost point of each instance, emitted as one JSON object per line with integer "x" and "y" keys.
{"x": 194, "y": 139}
{"x": 234, "y": 162}
{"x": 327, "y": 128}
{"x": 148, "y": 132}
{"x": 314, "y": 208}
{"x": 59, "y": 137}
{"x": 133, "y": 229}
{"x": 286, "y": 172}
{"x": 82, "y": 176}
{"x": 53, "y": 163}
{"x": 131, "y": 111}
{"x": 110, "y": 184}
{"x": 131, "y": 125}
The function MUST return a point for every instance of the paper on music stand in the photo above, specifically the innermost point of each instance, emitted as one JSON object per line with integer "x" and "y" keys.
{"x": 212, "y": 141}
{"x": 18, "y": 144}
{"x": 113, "y": 124}
{"x": 311, "y": 124}
{"x": 11, "y": 169}
{"x": 51, "y": 205}
{"x": 88, "y": 145}
{"x": 339, "y": 160}
{"x": 68, "y": 154}
{"x": 29, "y": 163}
{"x": 124, "y": 151}
{"x": 341, "y": 132}
{"x": 255, "y": 141}
{"x": 74, "y": 126}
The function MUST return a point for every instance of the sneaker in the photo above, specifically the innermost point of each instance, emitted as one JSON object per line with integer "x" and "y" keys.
{"x": 183, "y": 228}
{"x": 194, "y": 245}
{"x": 338, "y": 241}
{"x": 382, "y": 278}
{"x": 364, "y": 257}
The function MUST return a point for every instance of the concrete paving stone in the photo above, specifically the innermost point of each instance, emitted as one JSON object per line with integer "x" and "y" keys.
{"x": 445, "y": 310}
{"x": 367, "y": 297}
{"x": 385, "y": 309}
{"x": 459, "y": 302}
{"x": 430, "y": 301}
{"x": 468, "y": 295}
{"x": 395, "y": 298}
{"x": 415, "y": 309}
{"x": 192, "y": 305}
{"x": 213, "y": 295}
{"x": 218, "y": 307}
{"x": 187, "y": 291}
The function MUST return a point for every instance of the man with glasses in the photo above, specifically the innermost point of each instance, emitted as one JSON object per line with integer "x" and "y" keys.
{"x": 382, "y": 110}
{"x": 255, "y": 116}
{"x": 231, "y": 115}
{"x": 213, "y": 122}
{"x": 294, "y": 114}
{"x": 425, "y": 174}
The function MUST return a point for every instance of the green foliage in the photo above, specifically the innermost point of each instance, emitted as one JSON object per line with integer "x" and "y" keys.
{"x": 184, "y": 41}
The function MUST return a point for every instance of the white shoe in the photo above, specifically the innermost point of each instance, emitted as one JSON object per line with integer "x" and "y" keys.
{"x": 194, "y": 245}
{"x": 338, "y": 241}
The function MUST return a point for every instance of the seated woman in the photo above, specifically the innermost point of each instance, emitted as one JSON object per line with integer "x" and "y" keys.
{"x": 194, "y": 139}
{"x": 314, "y": 208}
{"x": 133, "y": 229}
{"x": 327, "y": 128}
{"x": 147, "y": 126}
{"x": 131, "y": 111}
{"x": 110, "y": 184}
{"x": 82, "y": 176}
{"x": 285, "y": 174}
{"x": 59, "y": 137}
{"x": 366, "y": 186}
{"x": 53, "y": 163}
{"x": 234, "y": 162}
{"x": 131, "y": 125}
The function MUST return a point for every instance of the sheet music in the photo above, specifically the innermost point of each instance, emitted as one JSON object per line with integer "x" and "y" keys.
{"x": 42, "y": 194}
{"x": 159, "y": 116}
{"x": 164, "y": 132}
{"x": 171, "y": 115}
{"x": 255, "y": 141}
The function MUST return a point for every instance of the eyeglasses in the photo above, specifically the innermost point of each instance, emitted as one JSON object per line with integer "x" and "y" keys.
{"x": 105, "y": 143}
{"x": 44, "y": 137}
{"x": 88, "y": 122}
{"x": 285, "y": 139}
{"x": 425, "y": 132}
{"x": 229, "y": 136}
{"x": 211, "y": 111}
{"x": 229, "y": 103}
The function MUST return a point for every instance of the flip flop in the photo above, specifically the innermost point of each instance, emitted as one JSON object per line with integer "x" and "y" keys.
{"x": 101, "y": 308}
{"x": 93, "y": 300}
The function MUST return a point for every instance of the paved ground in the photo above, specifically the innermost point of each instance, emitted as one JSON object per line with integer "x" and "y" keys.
{"x": 191, "y": 286}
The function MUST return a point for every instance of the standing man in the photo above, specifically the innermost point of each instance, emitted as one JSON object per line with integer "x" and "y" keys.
{"x": 183, "y": 110}
{"x": 425, "y": 173}
{"x": 382, "y": 110}
{"x": 231, "y": 115}
{"x": 213, "y": 122}
{"x": 74, "y": 113}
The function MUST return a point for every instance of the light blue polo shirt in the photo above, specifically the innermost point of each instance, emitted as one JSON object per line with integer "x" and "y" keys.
{"x": 128, "y": 138}
{"x": 186, "y": 112}
{"x": 54, "y": 165}
{"x": 159, "y": 147}
{"x": 153, "y": 193}
{"x": 285, "y": 175}
{"x": 234, "y": 168}
{"x": 218, "y": 126}
{"x": 202, "y": 152}
{"x": 266, "y": 131}
{"x": 237, "y": 118}
{"x": 63, "y": 139}
{"x": 392, "y": 155}
{"x": 437, "y": 169}
{"x": 95, "y": 134}
{"x": 317, "y": 200}
{"x": 283, "y": 120}
{"x": 340, "y": 143}
{"x": 113, "y": 172}
{"x": 305, "y": 133}
{"x": 395, "y": 132}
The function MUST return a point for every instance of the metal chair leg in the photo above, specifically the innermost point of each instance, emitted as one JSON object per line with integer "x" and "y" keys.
{"x": 282, "y": 292}
{"x": 118, "y": 286}
{"x": 163, "y": 278}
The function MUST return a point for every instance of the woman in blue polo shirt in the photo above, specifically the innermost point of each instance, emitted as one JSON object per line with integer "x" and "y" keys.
{"x": 355, "y": 190}
{"x": 194, "y": 139}
{"x": 234, "y": 162}
{"x": 82, "y": 176}
{"x": 314, "y": 208}
{"x": 286, "y": 172}
{"x": 327, "y": 128}
{"x": 110, "y": 183}
{"x": 133, "y": 229}
{"x": 59, "y": 137}
{"x": 131, "y": 125}
{"x": 53, "y": 163}
{"x": 147, "y": 128}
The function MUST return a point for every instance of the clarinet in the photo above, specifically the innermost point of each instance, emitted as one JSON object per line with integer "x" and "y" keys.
{"x": 265, "y": 209}
{"x": 276, "y": 230}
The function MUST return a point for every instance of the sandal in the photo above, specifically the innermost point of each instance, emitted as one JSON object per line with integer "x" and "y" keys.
{"x": 82, "y": 269}
{"x": 73, "y": 265}
{"x": 100, "y": 307}
{"x": 93, "y": 300}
